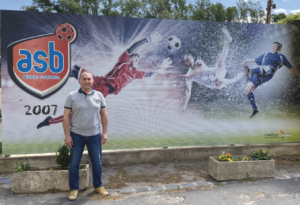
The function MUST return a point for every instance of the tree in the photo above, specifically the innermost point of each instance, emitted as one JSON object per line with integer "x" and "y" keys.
{"x": 201, "y": 10}
{"x": 218, "y": 13}
{"x": 65, "y": 6}
{"x": 250, "y": 11}
{"x": 232, "y": 14}
{"x": 278, "y": 17}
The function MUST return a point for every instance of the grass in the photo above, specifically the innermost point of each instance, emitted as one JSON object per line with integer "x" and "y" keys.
{"x": 132, "y": 142}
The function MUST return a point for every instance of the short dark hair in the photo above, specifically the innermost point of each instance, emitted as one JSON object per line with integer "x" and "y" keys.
{"x": 86, "y": 72}
{"x": 134, "y": 54}
{"x": 279, "y": 44}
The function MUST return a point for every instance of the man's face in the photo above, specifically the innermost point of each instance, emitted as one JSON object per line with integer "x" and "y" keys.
{"x": 86, "y": 81}
{"x": 276, "y": 48}
{"x": 189, "y": 61}
{"x": 134, "y": 60}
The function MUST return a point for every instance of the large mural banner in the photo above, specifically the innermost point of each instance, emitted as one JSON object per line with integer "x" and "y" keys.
{"x": 167, "y": 83}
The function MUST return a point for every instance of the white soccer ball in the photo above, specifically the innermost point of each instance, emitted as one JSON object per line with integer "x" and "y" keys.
{"x": 173, "y": 43}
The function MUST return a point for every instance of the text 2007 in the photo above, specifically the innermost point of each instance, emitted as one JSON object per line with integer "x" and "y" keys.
{"x": 36, "y": 110}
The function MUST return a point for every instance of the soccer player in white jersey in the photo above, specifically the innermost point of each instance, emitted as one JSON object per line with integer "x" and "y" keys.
{"x": 200, "y": 73}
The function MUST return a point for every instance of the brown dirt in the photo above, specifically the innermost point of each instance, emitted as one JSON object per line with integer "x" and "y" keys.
{"x": 199, "y": 172}
{"x": 288, "y": 160}
{"x": 94, "y": 196}
{"x": 119, "y": 181}
{"x": 175, "y": 190}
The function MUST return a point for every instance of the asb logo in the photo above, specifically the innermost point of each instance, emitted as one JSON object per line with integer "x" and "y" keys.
{"x": 40, "y": 65}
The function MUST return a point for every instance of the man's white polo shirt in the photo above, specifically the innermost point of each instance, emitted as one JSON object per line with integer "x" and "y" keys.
{"x": 85, "y": 108}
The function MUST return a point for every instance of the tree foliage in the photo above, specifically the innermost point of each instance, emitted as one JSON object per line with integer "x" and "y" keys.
{"x": 278, "y": 17}
{"x": 244, "y": 11}
{"x": 293, "y": 21}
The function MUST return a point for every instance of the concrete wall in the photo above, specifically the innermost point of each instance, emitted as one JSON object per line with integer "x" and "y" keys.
{"x": 155, "y": 155}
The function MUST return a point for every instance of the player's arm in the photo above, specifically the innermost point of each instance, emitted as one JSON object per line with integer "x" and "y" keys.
{"x": 289, "y": 66}
{"x": 196, "y": 71}
{"x": 104, "y": 122}
{"x": 294, "y": 71}
{"x": 66, "y": 126}
{"x": 167, "y": 63}
{"x": 154, "y": 38}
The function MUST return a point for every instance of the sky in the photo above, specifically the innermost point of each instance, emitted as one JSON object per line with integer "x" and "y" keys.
{"x": 285, "y": 6}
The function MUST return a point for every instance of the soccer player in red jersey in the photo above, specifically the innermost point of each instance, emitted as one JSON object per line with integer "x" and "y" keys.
{"x": 123, "y": 73}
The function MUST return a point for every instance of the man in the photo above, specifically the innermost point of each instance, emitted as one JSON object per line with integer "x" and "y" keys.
{"x": 123, "y": 73}
{"x": 268, "y": 64}
{"x": 88, "y": 111}
{"x": 200, "y": 73}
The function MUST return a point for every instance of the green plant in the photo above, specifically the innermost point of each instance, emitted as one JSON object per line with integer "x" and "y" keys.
{"x": 260, "y": 155}
{"x": 82, "y": 166}
{"x": 0, "y": 144}
{"x": 249, "y": 178}
{"x": 63, "y": 156}
{"x": 21, "y": 166}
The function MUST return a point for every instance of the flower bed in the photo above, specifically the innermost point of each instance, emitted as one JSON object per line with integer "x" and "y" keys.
{"x": 47, "y": 180}
{"x": 227, "y": 167}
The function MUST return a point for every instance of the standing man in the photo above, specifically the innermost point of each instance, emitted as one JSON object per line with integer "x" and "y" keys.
{"x": 268, "y": 64}
{"x": 87, "y": 107}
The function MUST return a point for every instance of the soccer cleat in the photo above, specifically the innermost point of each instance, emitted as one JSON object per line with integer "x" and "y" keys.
{"x": 247, "y": 71}
{"x": 254, "y": 113}
{"x": 44, "y": 123}
{"x": 74, "y": 72}
{"x": 226, "y": 34}
{"x": 73, "y": 195}
{"x": 101, "y": 190}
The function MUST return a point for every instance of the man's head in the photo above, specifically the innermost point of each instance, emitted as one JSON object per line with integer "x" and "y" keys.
{"x": 189, "y": 60}
{"x": 86, "y": 80}
{"x": 134, "y": 59}
{"x": 277, "y": 47}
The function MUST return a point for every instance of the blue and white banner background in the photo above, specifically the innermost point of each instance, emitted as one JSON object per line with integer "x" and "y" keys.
{"x": 148, "y": 112}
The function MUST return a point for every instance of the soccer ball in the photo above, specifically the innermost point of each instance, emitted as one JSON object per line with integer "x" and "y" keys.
{"x": 173, "y": 43}
{"x": 65, "y": 31}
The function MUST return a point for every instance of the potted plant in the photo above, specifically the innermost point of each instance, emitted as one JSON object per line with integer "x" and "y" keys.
{"x": 28, "y": 179}
{"x": 256, "y": 165}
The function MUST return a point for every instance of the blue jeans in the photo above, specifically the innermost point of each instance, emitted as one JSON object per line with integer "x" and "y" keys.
{"x": 95, "y": 153}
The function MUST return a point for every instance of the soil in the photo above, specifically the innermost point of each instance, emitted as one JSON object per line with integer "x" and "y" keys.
{"x": 155, "y": 174}
{"x": 288, "y": 160}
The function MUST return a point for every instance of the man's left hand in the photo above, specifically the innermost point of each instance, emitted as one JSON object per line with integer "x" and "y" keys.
{"x": 103, "y": 138}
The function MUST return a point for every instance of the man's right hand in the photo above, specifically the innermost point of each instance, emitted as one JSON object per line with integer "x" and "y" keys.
{"x": 69, "y": 141}
{"x": 155, "y": 38}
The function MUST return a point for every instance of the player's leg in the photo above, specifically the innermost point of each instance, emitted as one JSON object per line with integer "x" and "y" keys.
{"x": 188, "y": 90}
{"x": 249, "y": 89}
{"x": 225, "y": 50}
{"x": 49, "y": 121}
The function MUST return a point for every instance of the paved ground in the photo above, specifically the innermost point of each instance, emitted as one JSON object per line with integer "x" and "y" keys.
{"x": 174, "y": 183}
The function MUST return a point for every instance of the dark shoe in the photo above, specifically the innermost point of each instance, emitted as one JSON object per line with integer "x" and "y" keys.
{"x": 254, "y": 113}
{"x": 247, "y": 71}
{"x": 44, "y": 123}
{"x": 74, "y": 72}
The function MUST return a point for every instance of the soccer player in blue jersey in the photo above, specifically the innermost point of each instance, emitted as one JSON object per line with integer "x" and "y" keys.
{"x": 268, "y": 64}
